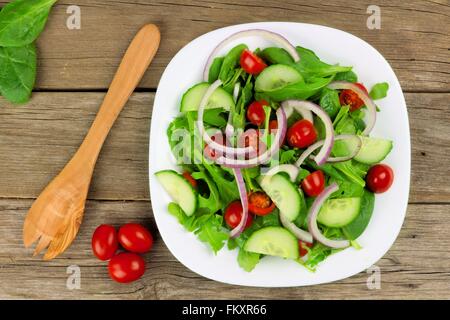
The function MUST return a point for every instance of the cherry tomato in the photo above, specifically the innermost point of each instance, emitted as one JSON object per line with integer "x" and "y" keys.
{"x": 255, "y": 112}
{"x": 211, "y": 153}
{"x": 314, "y": 183}
{"x": 273, "y": 125}
{"x": 302, "y": 249}
{"x": 233, "y": 215}
{"x": 260, "y": 204}
{"x": 191, "y": 180}
{"x": 104, "y": 242}
{"x": 251, "y": 63}
{"x": 301, "y": 134}
{"x": 126, "y": 267}
{"x": 351, "y": 98}
{"x": 251, "y": 138}
{"x": 380, "y": 178}
{"x": 135, "y": 238}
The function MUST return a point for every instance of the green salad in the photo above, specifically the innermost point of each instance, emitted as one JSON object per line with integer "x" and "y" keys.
{"x": 275, "y": 155}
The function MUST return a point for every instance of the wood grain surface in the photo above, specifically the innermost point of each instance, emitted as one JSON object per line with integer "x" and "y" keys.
{"x": 76, "y": 67}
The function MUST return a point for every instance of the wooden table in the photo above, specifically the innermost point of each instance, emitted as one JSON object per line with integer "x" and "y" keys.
{"x": 75, "y": 68}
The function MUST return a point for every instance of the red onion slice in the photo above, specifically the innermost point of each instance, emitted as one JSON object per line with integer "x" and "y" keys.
{"x": 271, "y": 36}
{"x": 299, "y": 233}
{"x": 236, "y": 89}
{"x": 244, "y": 200}
{"x": 264, "y": 157}
{"x": 228, "y": 151}
{"x": 307, "y": 153}
{"x": 290, "y": 169}
{"x": 299, "y": 105}
{"x": 371, "y": 107}
{"x": 312, "y": 220}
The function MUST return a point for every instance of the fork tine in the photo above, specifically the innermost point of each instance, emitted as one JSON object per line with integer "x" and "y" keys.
{"x": 43, "y": 243}
{"x": 30, "y": 233}
{"x": 63, "y": 240}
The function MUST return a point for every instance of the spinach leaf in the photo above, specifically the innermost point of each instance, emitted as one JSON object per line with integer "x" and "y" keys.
{"x": 379, "y": 91}
{"x": 214, "y": 70}
{"x": 214, "y": 117}
{"x": 238, "y": 115}
{"x": 275, "y": 55}
{"x": 22, "y": 21}
{"x": 247, "y": 260}
{"x": 347, "y": 169}
{"x": 353, "y": 230}
{"x": 299, "y": 90}
{"x": 17, "y": 72}
{"x": 349, "y": 76}
{"x": 230, "y": 62}
{"x": 329, "y": 101}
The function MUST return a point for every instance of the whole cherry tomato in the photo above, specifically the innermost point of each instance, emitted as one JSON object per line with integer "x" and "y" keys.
{"x": 126, "y": 267}
{"x": 255, "y": 112}
{"x": 314, "y": 183}
{"x": 260, "y": 204}
{"x": 104, "y": 242}
{"x": 380, "y": 178}
{"x": 233, "y": 215}
{"x": 135, "y": 238}
{"x": 251, "y": 63}
{"x": 301, "y": 134}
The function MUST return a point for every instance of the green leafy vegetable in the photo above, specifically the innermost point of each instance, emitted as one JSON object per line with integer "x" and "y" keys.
{"x": 247, "y": 260}
{"x": 379, "y": 91}
{"x": 349, "y": 76}
{"x": 22, "y": 21}
{"x": 17, "y": 72}
{"x": 275, "y": 55}
{"x": 329, "y": 101}
{"x": 214, "y": 70}
{"x": 230, "y": 62}
{"x": 353, "y": 230}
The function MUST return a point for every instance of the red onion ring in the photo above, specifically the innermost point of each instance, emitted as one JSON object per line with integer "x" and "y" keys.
{"x": 290, "y": 169}
{"x": 312, "y": 220}
{"x": 371, "y": 107}
{"x": 299, "y": 233}
{"x": 271, "y": 36}
{"x": 244, "y": 200}
{"x": 325, "y": 151}
{"x": 228, "y": 151}
{"x": 313, "y": 147}
{"x": 264, "y": 157}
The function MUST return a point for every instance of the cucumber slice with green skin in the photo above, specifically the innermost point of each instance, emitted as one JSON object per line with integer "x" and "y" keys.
{"x": 219, "y": 99}
{"x": 179, "y": 189}
{"x": 273, "y": 241}
{"x": 283, "y": 193}
{"x": 339, "y": 212}
{"x": 277, "y": 76}
{"x": 373, "y": 150}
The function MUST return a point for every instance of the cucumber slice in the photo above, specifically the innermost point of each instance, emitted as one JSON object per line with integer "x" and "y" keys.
{"x": 339, "y": 212}
{"x": 180, "y": 190}
{"x": 219, "y": 99}
{"x": 273, "y": 241}
{"x": 373, "y": 150}
{"x": 283, "y": 193}
{"x": 277, "y": 76}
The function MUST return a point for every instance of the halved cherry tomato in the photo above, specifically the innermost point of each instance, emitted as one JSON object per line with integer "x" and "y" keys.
{"x": 260, "y": 204}
{"x": 233, "y": 215}
{"x": 380, "y": 178}
{"x": 351, "y": 98}
{"x": 126, "y": 267}
{"x": 191, "y": 180}
{"x": 302, "y": 249}
{"x": 104, "y": 242}
{"x": 135, "y": 238}
{"x": 301, "y": 134}
{"x": 211, "y": 153}
{"x": 273, "y": 125}
{"x": 251, "y": 63}
{"x": 255, "y": 112}
{"x": 314, "y": 183}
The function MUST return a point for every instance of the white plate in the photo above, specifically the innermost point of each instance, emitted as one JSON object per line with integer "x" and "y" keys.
{"x": 332, "y": 46}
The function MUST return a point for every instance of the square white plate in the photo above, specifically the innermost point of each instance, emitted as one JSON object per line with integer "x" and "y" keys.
{"x": 332, "y": 46}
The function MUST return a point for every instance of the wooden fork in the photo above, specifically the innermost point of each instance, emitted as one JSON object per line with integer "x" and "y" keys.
{"x": 56, "y": 215}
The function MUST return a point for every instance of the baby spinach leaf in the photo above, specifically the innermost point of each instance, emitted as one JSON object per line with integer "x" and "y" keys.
{"x": 329, "y": 101}
{"x": 274, "y": 55}
{"x": 231, "y": 61}
{"x": 379, "y": 91}
{"x": 353, "y": 230}
{"x": 214, "y": 70}
{"x": 22, "y": 21}
{"x": 17, "y": 72}
{"x": 247, "y": 260}
{"x": 349, "y": 76}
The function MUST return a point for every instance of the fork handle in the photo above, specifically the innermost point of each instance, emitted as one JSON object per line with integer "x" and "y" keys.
{"x": 135, "y": 62}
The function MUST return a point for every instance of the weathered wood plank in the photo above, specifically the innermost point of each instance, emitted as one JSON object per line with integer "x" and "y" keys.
{"x": 416, "y": 267}
{"x": 413, "y": 35}
{"x": 38, "y": 139}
